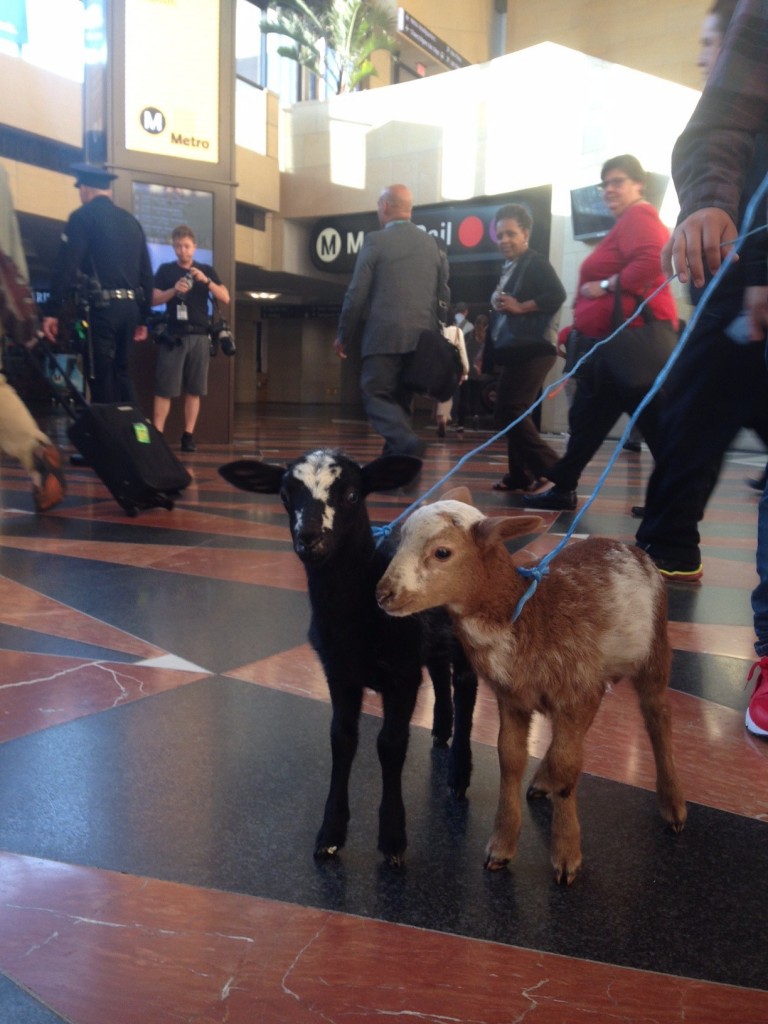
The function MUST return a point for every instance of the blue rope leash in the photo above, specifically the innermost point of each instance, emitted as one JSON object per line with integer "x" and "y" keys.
{"x": 536, "y": 573}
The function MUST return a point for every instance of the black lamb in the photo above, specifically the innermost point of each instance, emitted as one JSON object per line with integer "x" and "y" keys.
{"x": 358, "y": 644}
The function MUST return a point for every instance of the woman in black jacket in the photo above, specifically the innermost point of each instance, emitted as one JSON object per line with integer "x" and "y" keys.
{"x": 524, "y": 303}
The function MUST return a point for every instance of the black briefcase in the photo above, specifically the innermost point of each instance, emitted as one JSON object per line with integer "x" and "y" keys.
{"x": 130, "y": 456}
{"x": 434, "y": 368}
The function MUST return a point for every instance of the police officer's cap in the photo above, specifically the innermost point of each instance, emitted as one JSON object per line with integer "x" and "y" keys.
{"x": 92, "y": 177}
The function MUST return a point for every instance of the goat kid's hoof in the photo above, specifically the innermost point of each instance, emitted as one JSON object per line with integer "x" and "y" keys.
{"x": 496, "y": 863}
{"x": 396, "y": 861}
{"x": 458, "y": 792}
{"x": 326, "y": 852}
{"x": 566, "y": 873}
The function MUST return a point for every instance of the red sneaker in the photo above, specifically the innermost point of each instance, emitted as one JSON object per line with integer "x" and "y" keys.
{"x": 757, "y": 712}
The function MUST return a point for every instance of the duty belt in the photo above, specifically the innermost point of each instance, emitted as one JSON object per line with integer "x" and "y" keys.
{"x": 118, "y": 293}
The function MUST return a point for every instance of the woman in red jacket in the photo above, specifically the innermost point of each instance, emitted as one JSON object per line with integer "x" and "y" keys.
{"x": 627, "y": 260}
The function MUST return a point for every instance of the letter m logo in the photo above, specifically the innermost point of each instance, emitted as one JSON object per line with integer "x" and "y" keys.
{"x": 152, "y": 120}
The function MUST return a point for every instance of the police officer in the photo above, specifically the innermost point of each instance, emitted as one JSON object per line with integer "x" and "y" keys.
{"x": 103, "y": 259}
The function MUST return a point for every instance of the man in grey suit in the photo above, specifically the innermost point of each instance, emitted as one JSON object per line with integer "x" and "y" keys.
{"x": 399, "y": 283}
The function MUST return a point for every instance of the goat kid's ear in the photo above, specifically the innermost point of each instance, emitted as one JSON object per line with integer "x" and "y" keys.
{"x": 462, "y": 494}
{"x": 389, "y": 472}
{"x": 251, "y": 475}
{"x": 501, "y": 528}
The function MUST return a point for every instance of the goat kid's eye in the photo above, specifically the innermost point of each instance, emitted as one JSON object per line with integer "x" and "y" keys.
{"x": 353, "y": 497}
{"x": 442, "y": 554}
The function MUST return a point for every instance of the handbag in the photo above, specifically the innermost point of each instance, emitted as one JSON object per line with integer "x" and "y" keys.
{"x": 635, "y": 357}
{"x": 511, "y": 332}
{"x": 433, "y": 368}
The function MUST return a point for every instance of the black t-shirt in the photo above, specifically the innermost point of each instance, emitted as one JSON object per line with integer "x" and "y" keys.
{"x": 196, "y": 300}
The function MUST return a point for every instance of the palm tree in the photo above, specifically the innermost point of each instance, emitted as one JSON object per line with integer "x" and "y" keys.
{"x": 334, "y": 39}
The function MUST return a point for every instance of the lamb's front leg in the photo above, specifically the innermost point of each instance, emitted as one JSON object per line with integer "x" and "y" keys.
{"x": 344, "y": 734}
{"x": 398, "y": 702}
{"x": 513, "y": 754}
{"x": 564, "y": 761}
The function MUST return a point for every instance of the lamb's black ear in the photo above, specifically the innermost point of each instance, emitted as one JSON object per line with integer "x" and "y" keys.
{"x": 390, "y": 471}
{"x": 251, "y": 475}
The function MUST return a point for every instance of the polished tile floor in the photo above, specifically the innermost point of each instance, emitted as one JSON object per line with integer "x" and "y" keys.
{"x": 164, "y": 757}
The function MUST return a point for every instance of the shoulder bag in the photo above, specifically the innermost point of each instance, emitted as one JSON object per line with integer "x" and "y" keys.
{"x": 510, "y": 332}
{"x": 434, "y": 368}
{"x": 634, "y": 358}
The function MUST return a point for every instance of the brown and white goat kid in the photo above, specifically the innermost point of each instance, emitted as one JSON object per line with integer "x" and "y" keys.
{"x": 599, "y": 615}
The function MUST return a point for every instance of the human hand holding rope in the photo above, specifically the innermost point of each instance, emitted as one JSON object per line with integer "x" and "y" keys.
{"x": 704, "y": 238}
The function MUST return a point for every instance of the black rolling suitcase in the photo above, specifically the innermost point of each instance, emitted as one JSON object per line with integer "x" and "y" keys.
{"x": 129, "y": 455}
{"x": 122, "y": 446}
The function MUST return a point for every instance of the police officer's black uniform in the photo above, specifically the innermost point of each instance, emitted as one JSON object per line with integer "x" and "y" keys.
{"x": 107, "y": 245}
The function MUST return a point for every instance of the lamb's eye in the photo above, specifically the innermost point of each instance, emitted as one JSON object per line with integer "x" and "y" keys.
{"x": 442, "y": 554}
{"x": 353, "y": 496}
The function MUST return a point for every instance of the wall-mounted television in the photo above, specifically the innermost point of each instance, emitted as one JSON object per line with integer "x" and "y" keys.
{"x": 161, "y": 208}
{"x": 592, "y": 219}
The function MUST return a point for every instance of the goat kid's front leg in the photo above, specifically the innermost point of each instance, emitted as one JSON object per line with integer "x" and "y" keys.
{"x": 513, "y": 754}
{"x": 557, "y": 778}
{"x": 344, "y": 736}
{"x": 442, "y": 715}
{"x": 392, "y": 744}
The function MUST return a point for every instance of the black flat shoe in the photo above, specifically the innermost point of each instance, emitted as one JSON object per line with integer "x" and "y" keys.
{"x": 554, "y": 498}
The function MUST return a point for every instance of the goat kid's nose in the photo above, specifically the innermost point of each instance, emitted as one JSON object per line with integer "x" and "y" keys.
{"x": 308, "y": 541}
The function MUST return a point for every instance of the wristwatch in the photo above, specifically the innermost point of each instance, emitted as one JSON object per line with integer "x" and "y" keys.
{"x": 605, "y": 284}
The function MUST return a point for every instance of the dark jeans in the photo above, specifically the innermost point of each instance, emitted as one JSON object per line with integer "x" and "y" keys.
{"x": 597, "y": 404}
{"x": 528, "y": 455}
{"x": 716, "y": 388}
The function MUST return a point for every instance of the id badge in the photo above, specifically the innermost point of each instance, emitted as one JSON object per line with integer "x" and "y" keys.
{"x": 181, "y": 311}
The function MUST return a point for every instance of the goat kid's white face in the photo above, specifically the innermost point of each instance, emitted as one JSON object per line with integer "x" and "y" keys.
{"x": 307, "y": 497}
{"x": 430, "y": 566}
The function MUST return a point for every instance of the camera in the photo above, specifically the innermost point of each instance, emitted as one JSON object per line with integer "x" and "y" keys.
{"x": 189, "y": 279}
{"x": 157, "y": 325}
{"x": 221, "y": 335}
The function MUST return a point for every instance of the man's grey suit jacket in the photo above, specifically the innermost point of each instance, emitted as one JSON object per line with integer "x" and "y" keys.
{"x": 400, "y": 276}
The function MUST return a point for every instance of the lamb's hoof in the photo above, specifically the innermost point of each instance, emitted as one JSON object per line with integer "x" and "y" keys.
{"x": 326, "y": 852}
{"x": 535, "y": 792}
{"x": 459, "y": 792}
{"x": 396, "y": 861}
{"x": 496, "y": 863}
{"x": 565, "y": 873}
{"x": 440, "y": 742}
{"x": 675, "y": 816}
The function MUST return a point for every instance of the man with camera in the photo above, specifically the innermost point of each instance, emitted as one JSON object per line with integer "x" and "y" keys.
{"x": 103, "y": 267}
{"x": 185, "y": 347}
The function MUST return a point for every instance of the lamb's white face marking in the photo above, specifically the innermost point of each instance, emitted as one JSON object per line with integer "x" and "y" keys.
{"x": 420, "y": 531}
{"x": 318, "y": 471}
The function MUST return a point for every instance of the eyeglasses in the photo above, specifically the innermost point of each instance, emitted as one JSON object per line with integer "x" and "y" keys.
{"x": 613, "y": 182}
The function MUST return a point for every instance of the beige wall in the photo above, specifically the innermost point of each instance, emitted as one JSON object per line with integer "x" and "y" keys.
{"x": 656, "y": 36}
{"x": 463, "y": 24}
